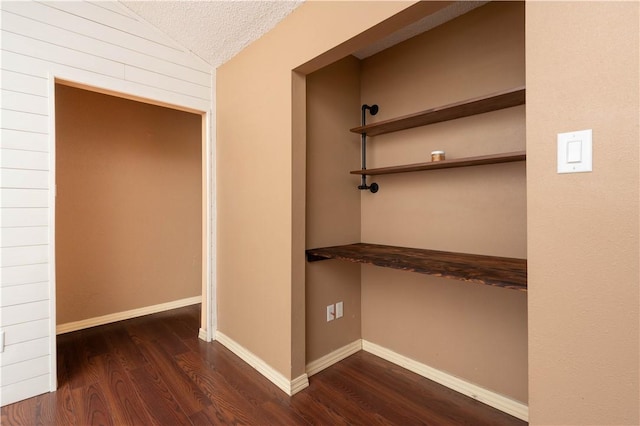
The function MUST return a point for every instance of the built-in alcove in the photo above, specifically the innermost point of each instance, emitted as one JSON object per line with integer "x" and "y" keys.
{"x": 128, "y": 207}
{"x": 477, "y": 333}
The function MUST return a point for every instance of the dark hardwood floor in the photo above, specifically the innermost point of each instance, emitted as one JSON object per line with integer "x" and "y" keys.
{"x": 154, "y": 370}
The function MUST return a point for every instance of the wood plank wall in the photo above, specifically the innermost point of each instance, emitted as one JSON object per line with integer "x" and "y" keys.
{"x": 102, "y": 44}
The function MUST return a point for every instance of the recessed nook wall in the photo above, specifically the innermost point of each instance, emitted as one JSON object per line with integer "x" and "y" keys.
{"x": 333, "y": 203}
{"x": 468, "y": 330}
{"x": 474, "y": 332}
{"x": 128, "y": 207}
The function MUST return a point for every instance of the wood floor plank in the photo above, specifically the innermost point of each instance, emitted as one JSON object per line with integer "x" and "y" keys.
{"x": 80, "y": 359}
{"x": 124, "y": 348}
{"x": 422, "y": 394}
{"x": 154, "y": 370}
{"x": 187, "y": 393}
{"x": 158, "y": 399}
{"x": 156, "y": 332}
{"x": 61, "y": 401}
{"x": 347, "y": 405}
{"x": 121, "y": 394}
{"x": 181, "y": 324}
{"x": 222, "y": 359}
{"x": 353, "y": 384}
{"x": 314, "y": 410}
{"x": 62, "y": 407}
{"x": 21, "y": 413}
{"x": 228, "y": 405}
{"x": 275, "y": 413}
{"x": 91, "y": 407}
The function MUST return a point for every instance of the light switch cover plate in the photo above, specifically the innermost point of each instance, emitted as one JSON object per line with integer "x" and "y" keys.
{"x": 575, "y": 152}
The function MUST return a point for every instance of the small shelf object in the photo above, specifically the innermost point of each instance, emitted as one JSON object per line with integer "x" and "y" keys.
{"x": 505, "y": 272}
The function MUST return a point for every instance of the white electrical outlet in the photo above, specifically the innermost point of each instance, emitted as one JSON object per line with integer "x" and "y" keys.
{"x": 331, "y": 312}
{"x": 339, "y": 310}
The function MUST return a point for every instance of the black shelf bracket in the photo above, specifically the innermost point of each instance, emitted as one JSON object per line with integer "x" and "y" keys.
{"x": 373, "y": 110}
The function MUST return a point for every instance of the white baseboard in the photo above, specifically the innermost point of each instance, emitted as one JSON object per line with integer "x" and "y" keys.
{"x": 202, "y": 335}
{"x": 119, "y": 316}
{"x": 290, "y": 387}
{"x": 299, "y": 383}
{"x": 495, "y": 400}
{"x": 331, "y": 358}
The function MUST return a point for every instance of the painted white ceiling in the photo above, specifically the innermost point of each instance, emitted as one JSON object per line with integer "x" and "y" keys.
{"x": 216, "y": 30}
{"x": 213, "y": 30}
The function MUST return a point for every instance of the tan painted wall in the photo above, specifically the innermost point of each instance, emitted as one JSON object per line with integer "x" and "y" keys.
{"x": 478, "y": 333}
{"x": 128, "y": 206}
{"x": 261, "y": 169}
{"x": 583, "y": 73}
{"x": 583, "y": 341}
{"x": 333, "y": 204}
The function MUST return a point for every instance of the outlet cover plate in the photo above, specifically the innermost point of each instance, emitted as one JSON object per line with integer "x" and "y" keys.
{"x": 331, "y": 312}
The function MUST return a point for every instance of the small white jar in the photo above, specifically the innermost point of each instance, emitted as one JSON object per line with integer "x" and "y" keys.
{"x": 437, "y": 155}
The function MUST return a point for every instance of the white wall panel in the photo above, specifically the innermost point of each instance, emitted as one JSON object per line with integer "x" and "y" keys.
{"x": 56, "y": 54}
{"x": 20, "y": 294}
{"x": 24, "y": 274}
{"x": 90, "y": 43}
{"x": 37, "y": 67}
{"x": 24, "y": 102}
{"x": 20, "y": 82}
{"x": 26, "y": 331}
{"x": 30, "y": 66}
{"x": 24, "y": 236}
{"x": 172, "y": 84}
{"x": 18, "y": 314}
{"x": 25, "y": 351}
{"x": 25, "y": 389}
{"x": 43, "y": 32}
{"x": 15, "y": 139}
{"x": 10, "y": 218}
{"x": 20, "y": 371}
{"x": 110, "y": 5}
{"x": 114, "y": 20}
{"x": 34, "y": 67}
{"x": 25, "y": 160}
{"x": 24, "y": 121}
{"x": 42, "y": 13}
{"x": 140, "y": 90}
{"x": 16, "y": 178}
{"x": 16, "y": 256}
{"x": 24, "y": 197}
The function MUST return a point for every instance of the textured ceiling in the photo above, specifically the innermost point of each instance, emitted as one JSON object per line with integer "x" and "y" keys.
{"x": 213, "y": 30}
{"x": 216, "y": 30}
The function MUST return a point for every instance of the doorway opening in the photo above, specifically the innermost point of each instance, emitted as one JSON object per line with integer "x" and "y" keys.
{"x": 131, "y": 209}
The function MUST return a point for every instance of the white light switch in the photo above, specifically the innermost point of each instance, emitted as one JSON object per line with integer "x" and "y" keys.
{"x": 575, "y": 152}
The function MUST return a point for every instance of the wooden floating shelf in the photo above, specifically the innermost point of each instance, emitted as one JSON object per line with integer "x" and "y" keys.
{"x": 503, "y": 272}
{"x": 469, "y": 107}
{"x": 447, "y": 164}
